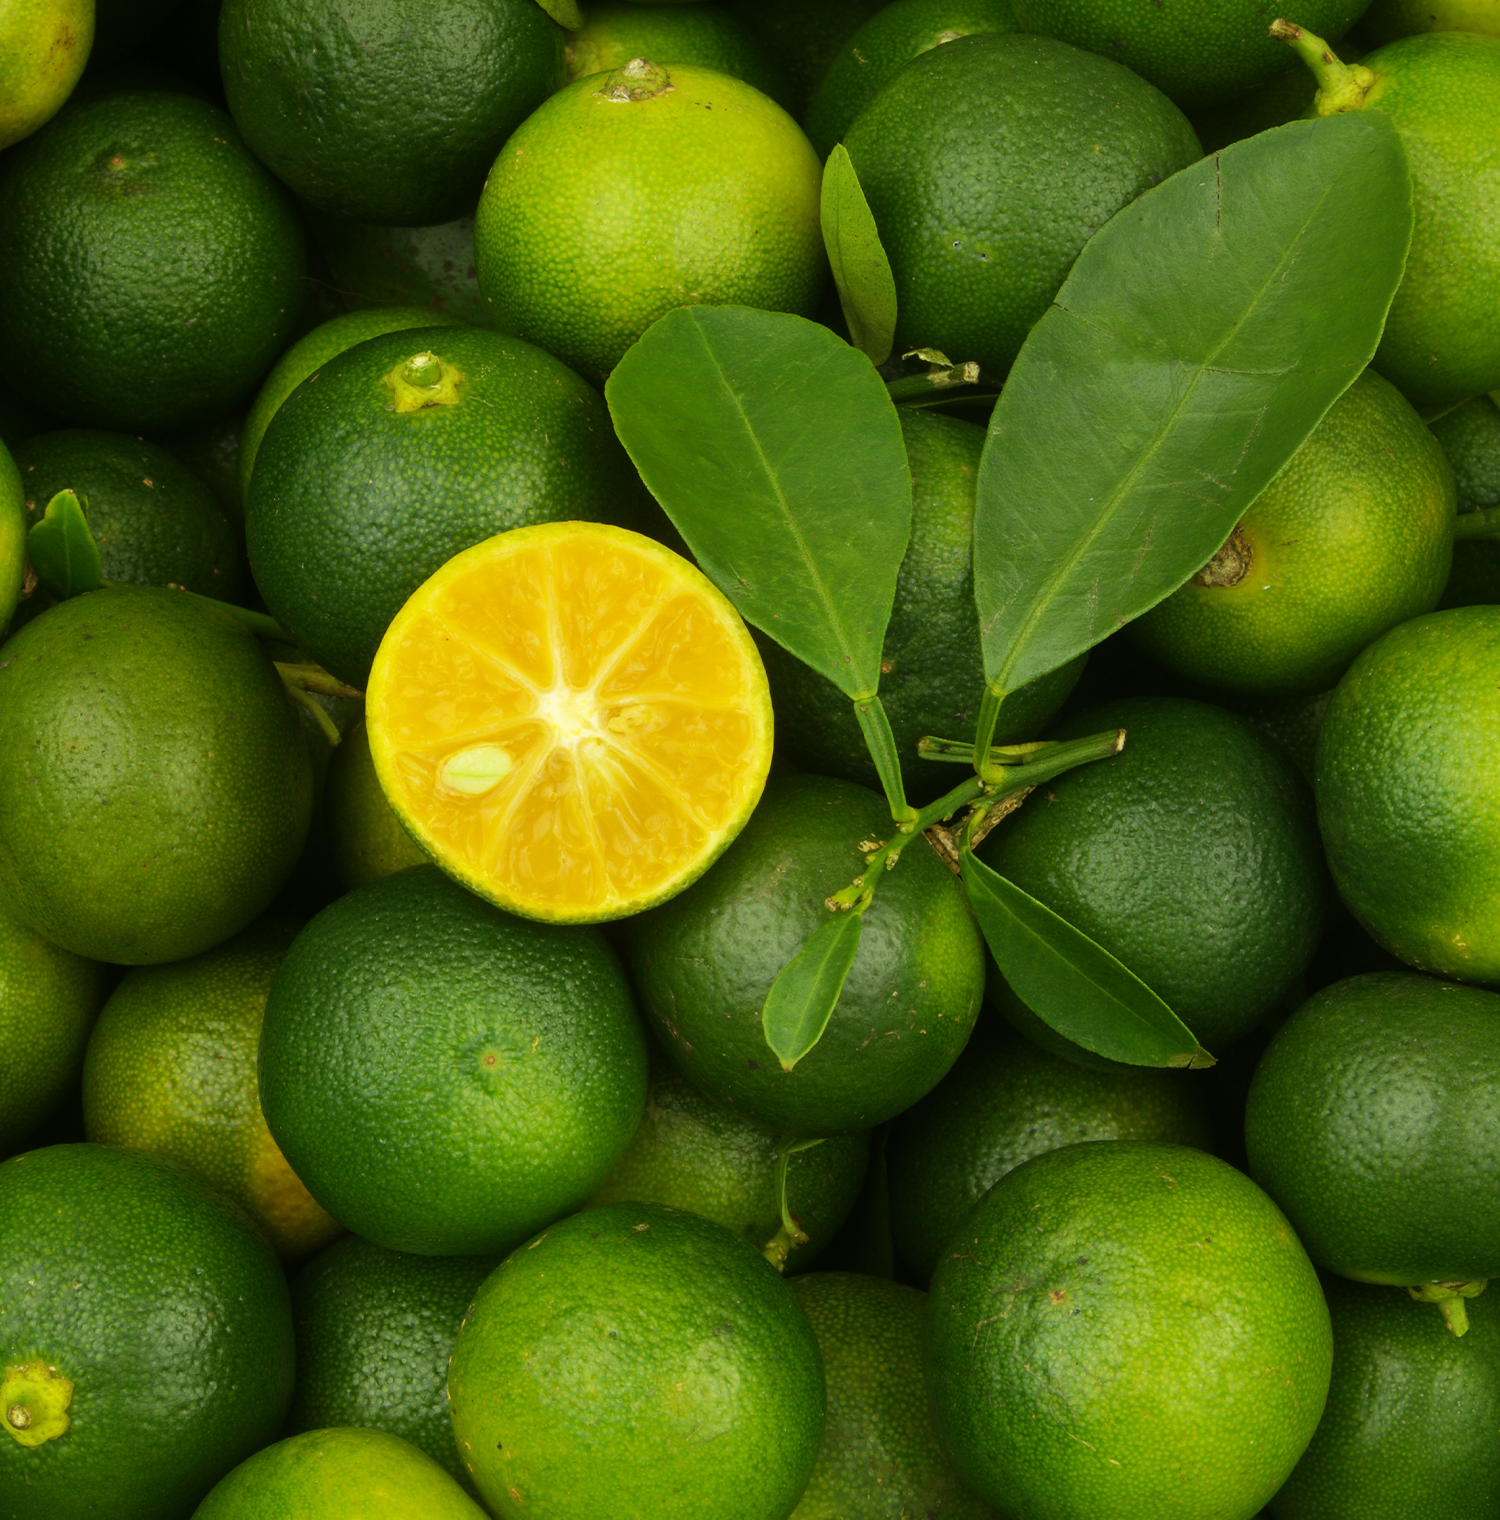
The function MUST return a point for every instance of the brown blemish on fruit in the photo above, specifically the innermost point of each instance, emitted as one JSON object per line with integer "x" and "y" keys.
{"x": 1230, "y": 565}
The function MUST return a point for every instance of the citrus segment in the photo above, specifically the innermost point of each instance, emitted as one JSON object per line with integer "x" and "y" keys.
{"x": 571, "y": 720}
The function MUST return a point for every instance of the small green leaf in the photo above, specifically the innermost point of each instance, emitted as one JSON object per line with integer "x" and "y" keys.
{"x": 802, "y": 998}
{"x": 774, "y": 448}
{"x": 862, "y": 272}
{"x": 62, "y": 550}
{"x": 1072, "y": 984}
{"x": 564, "y": 12}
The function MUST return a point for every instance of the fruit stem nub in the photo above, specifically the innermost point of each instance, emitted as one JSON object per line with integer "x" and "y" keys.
{"x": 1341, "y": 86}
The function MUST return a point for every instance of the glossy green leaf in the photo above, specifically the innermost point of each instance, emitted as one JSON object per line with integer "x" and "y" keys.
{"x": 1071, "y": 983}
{"x": 775, "y": 449}
{"x": 802, "y": 998}
{"x": 1200, "y": 337}
{"x": 62, "y": 550}
{"x": 861, "y": 271}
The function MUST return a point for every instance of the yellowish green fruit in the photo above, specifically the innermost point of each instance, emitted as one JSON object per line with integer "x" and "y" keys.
{"x": 170, "y": 1069}
{"x": 12, "y": 537}
{"x": 1388, "y": 20}
{"x": 48, "y": 1001}
{"x": 342, "y": 1474}
{"x": 44, "y": 45}
{"x": 367, "y": 837}
{"x": 637, "y": 1360}
{"x": 881, "y": 1456}
{"x": 1408, "y": 816}
{"x": 1353, "y": 536}
{"x": 626, "y": 195}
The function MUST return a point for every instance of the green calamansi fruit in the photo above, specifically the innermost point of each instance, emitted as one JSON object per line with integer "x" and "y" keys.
{"x": 151, "y": 268}
{"x": 145, "y": 1335}
{"x": 893, "y": 36}
{"x": 704, "y": 963}
{"x": 1390, "y": 20}
{"x": 1409, "y": 819}
{"x": 400, "y": 452}
{"x": 12, "y": 537}
{"x": 1470, "y": 436}
{"x": 1171, "y": 1339}
{"x": 1372, "y": 1122}
{"x": 367, "y": 837}
{"x": 158, "y": 788}
{"x": 375, "y": 1329}
{"x": 1192, "y": 855}
{"x": 508, "y": 1062}
{"x": 341, "y": 1474}
{"x": 1201, "y": 54}
{"x": 988, "y": 163}
{"x": 1004, "y": 1102}
{"x": 881, "y": 1455}
{"x": 692, "y": 1153}
{"x": 1353, "y": 536}
{"x": 1441, "y": 90}
{"x": 375, "y": 114}
{"x": 1436, "y": 1458}
{"x": 634, "y": 1359}
{"x": 44, "y": 45}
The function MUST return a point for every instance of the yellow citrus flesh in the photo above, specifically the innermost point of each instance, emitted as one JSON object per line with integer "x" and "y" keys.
{"x": 571, "y": 720}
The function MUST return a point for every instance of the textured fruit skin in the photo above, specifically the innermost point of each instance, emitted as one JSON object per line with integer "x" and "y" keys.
{"x": 1192, "y": 855}
{"x": 1200, "y": 52}
{"x": 615, "y": 31}
{"x": 1172, "y": 1342}
{"x": 44, "y": 45}
{"x": 48, "y": 1001}
{"x": 429, "y": 268}
{"x": 692, "y": 1153}
{"x": 376, "y": 114}
{"x": 375, "y": 1329}
{"x": 1004, "y": 1102}
{"x": 156, "y": 785}
{"x": 1387, "y": 20}
{"x": 601, "y": 215}
{"x": 170, "y": 1069}
{"x": 1411, "y": 1410}
{"x": 635, "y": 1359}
{"x": 880, "y": 1456}
{"x": 310, "y": 353}
{"x": 703, "y": 964}
{"x": 1470, "y": 437}
{"x": 367, "y": 837}
{"x": 1374, "y": 1121}
{"x": 1353, "y": 536}
{"x": 154, "y": 521}
{"x": 988, "y": 163}
{"x": 132, "y": 210}
{"x": 1406, "y": 805}
{"x": 446, "y": 1078}
{"x": 169, "y": 1313}
{"x": 932, "y": 666}
{"x": 894, "y": 35}
{"x": 1442, "y": 336}
{"x": 347, "y": 1474}
{"x": 353, "y": 504}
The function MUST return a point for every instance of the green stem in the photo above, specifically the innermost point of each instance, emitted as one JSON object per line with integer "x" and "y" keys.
{"x": 791, "y": 1234}
{"x": 304, "y": 700}
{"x": 936, "y": 379}
{"x": 961, "y": 751}
{"x": 315, "y": 678}
{"x": 984, "y": 729}
{"x": 859, "y": 892}
{"x": 1484, "y": 522}
{"x": 1341, "y": 86}
{"x": 1041, "y": 762}
{"x": 1449, "y": 1297}
{"x": 881, "y": 743}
